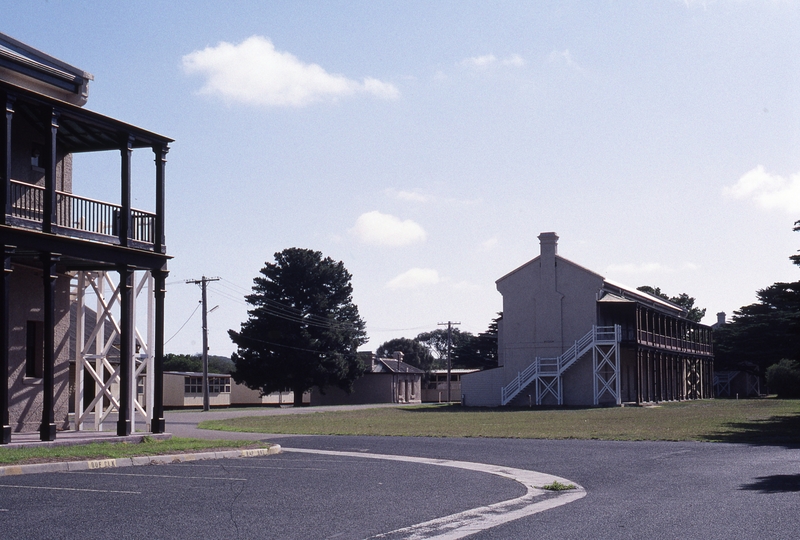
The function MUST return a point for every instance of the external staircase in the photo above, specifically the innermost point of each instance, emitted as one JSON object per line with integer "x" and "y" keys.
{"x": 546, "y": 373}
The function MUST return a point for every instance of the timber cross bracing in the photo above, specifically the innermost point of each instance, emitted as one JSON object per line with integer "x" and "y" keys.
{"x": 96, "y": 350}
{"x": 546, "y": 373}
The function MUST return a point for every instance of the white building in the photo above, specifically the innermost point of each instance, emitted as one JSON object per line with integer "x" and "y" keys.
{"x": 568, "y": 336}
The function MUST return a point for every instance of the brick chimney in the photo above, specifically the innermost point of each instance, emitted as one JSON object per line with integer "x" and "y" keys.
{"x": 549, "y": 323}
{"x": 549, "y": 245}
{"x": 398, "y": 355}
{"x": 368, "y": 357}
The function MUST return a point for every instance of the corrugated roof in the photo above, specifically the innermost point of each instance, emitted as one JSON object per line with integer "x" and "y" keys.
{"x": 197, "y": 374}
{"x": 394, "y": 366}
{"x": 79, "y": 130}
{"x": 656, "y": 300}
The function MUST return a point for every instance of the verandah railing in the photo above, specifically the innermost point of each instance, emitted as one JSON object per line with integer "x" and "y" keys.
{"x": 80, "y": 213}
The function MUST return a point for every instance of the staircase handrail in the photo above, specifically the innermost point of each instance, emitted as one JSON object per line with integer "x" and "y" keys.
{"x": 513, "y": 387}
{"x": 543, "y": 365}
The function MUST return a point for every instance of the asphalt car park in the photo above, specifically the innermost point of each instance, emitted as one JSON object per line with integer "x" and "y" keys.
{"x": 633, "y": 490}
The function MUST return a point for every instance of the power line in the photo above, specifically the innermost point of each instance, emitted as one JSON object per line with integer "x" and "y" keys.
{"x": 283, "y": 311}
{"x": 184, "y": 324}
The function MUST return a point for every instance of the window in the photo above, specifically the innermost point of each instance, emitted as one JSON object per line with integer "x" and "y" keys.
{"x": 216, "y": 385}
{"x": 193, "y": 385}
{"x": 219, "y": 385}
{"x": 34, "y": 350}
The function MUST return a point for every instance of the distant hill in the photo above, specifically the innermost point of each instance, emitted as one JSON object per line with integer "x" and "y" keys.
{"x": 194, "y": 362}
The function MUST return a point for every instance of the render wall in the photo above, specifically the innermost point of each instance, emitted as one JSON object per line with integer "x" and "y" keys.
{"x": 242, "y": 395}
{"x": 482, "y": 388}
{"x": 173, "y": 390}
{"x": 26, "y": 303}
{"x": 547, "y": 305}
{"x": 175, "y": 394}
{"x": 373, "y": 388}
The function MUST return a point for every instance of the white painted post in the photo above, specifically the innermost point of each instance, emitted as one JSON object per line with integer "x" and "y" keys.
{"x": 99, "y": 345}
{"x": 149, "y": 387}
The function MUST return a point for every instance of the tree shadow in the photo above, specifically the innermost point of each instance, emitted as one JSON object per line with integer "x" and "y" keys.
{"x": 777, "y": 483}
{"x": 774, "y": 431}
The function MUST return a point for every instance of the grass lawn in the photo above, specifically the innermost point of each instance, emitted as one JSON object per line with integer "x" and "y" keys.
{"x": 106, "y": 450}
{"x": 757, "y": 421}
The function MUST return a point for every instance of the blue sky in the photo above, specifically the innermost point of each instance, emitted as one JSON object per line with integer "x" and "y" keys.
{"x": 426, "y": 145}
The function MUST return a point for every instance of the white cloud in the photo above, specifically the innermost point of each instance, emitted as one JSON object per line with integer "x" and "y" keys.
{"x": 564, "y": 57}
{"x": 769, "y": 191}
{"x": 489, "y": 244}
{"x": 486, "y": 60}
{"x": 514, "y": 60}
{"x": 415, "y": 278}
{"x": 380, "y": 89}
{"x": 479, "y": 61}
{"x": 387, "y": 230}
{"x": 702, "y": 3}
{"x": 255, "y": 73}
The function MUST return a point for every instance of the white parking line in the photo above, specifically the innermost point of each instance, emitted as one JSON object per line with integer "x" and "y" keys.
{"x": 70, "y": 489}
{"x": 472, "y": 521}
{"x": 163, "y": 476}
{"x": 269, "y": 467}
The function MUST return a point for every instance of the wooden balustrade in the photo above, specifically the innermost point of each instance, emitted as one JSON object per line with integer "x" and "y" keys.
{"x": 80, "y": 213}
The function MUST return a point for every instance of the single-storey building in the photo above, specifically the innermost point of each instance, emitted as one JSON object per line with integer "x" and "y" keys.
{"x": 242, "y": 396}
{"x": 185, "y": 389}
{"x": 736, "y": 384}
{"x": 569, "y": 336}
{"x": 387, "y": 380}
{"x": 434, "y": 385}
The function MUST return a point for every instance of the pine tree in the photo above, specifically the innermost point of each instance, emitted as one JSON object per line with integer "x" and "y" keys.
{"x": 303, "y": 329}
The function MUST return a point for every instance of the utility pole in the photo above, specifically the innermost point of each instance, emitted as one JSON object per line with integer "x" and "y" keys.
{"x": 450, "y": 325}
{"x": 203, "y": 282}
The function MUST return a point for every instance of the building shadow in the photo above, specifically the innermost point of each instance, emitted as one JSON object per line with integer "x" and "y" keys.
{"x": 777, "y": 483}
{"x": 775, "y": 431}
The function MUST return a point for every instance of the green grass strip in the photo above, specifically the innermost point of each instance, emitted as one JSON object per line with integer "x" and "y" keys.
{"x": 558, "y": 486}
{"x": 109, "y": 450}
{"x": 756, "y": 421}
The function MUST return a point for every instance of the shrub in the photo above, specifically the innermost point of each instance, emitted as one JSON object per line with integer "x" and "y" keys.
{"x": 783, "y": 378}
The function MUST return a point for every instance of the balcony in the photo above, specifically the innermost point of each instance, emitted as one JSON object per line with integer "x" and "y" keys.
{"x": 79, "y": 217}
{"x": 39, "y": 215}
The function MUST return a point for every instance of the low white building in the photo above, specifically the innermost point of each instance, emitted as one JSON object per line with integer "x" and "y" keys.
{"x": 185, "y": 389}
{"x": 435, "y": 387}
{"x": 387, "y": 380}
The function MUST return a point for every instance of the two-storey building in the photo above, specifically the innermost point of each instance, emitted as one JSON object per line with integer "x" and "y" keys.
{"x": 60, "y": 246}
{"x": 569, "y": 336}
